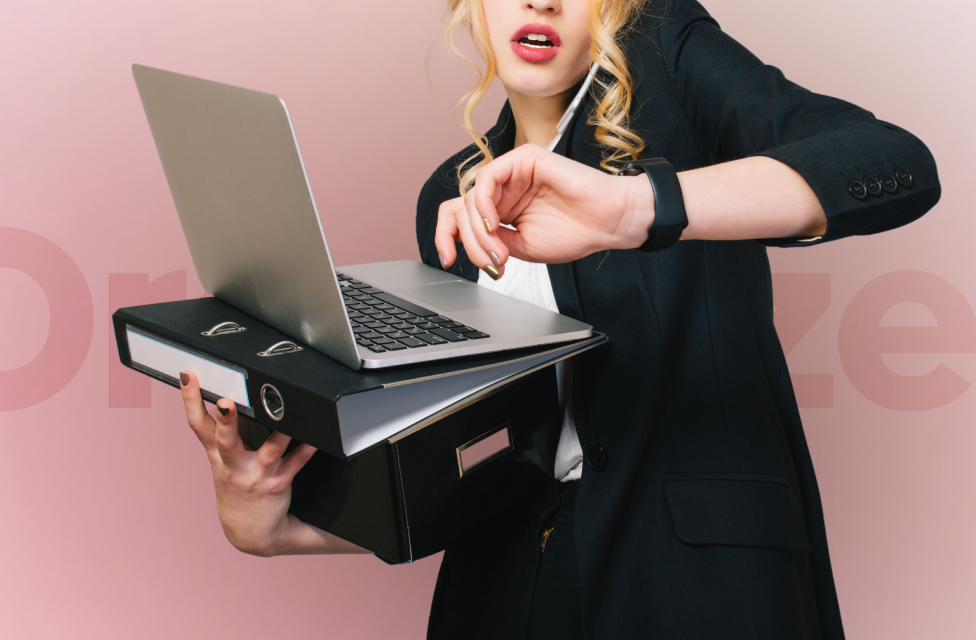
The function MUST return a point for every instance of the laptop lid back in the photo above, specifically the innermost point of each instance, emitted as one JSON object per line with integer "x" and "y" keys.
{"x": 240, "y": 188}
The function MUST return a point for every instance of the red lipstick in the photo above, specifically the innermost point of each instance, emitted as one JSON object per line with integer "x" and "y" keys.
{"x": 536, "y": 43}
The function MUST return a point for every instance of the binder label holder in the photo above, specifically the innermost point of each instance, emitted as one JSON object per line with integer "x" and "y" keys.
{"x": 163, "y": 360}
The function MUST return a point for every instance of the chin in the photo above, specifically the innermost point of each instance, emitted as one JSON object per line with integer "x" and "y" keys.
{"x": 537, "y": 81}
{"x": 537, "y": 90}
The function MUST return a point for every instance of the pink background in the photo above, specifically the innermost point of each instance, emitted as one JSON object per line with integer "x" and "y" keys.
{"x": 107, "y": 520}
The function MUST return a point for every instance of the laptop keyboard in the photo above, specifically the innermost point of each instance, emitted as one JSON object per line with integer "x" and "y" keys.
{"x": 384, "y": 322}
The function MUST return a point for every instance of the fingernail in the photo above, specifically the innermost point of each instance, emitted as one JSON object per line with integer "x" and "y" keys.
{"x": 487, "y": 225}
{"x": 443, "y": 259}
{"x": 184, "y": 379}
{"x": 222, "y": 410}
{"x": 494, "y": 259}
{"x": 491, "y": 271}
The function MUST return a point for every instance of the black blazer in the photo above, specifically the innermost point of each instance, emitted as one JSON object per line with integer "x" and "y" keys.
{"x": 706, "y": 521}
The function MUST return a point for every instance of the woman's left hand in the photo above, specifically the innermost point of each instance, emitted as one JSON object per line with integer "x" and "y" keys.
{"x": 562, "y": 210}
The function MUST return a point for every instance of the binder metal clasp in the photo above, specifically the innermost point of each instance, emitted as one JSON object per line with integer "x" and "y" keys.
{"x": 283, "y": 347}
{"x": 273, "y": 403}
{"x": 223, "y": 328}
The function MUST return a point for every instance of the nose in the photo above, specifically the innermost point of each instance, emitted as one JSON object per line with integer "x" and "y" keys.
{"x": 543, "y": 6}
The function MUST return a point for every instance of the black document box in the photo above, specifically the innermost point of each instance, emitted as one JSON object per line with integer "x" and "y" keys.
{"x": 409, "y": 493}
{"x": 409, "y": 497}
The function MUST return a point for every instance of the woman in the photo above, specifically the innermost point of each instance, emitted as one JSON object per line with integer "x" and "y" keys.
{"x": 696, "y": 512}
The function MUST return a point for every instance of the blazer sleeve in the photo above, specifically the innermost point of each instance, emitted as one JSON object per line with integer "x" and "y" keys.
{"x": 869, "y": 175}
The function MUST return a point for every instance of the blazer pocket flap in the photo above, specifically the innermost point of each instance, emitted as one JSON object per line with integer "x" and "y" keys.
{"x": 740, "y": 511}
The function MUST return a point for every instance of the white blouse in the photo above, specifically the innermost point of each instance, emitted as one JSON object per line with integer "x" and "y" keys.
{"x": 529, "y": 281}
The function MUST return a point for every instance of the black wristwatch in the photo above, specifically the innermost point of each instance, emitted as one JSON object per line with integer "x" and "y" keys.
{"x": 670, "y": 218}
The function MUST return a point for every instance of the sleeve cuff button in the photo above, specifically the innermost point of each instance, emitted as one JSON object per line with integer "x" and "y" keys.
{"x": 873, "y": 186}
{"x": 857, "y": 189}
{"x": 888, "y": 182}
{"x": 904, "y": 177}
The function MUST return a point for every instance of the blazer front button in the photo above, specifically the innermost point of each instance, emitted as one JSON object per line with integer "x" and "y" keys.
{"x": 873, "y": 185}
{"x": 858, "y": 190}
{"x": 596, "y": 457}
{"x": 888, "y": 183}
{"x": 904, "y": 177}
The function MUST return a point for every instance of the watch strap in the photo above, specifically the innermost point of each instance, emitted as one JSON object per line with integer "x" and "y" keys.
{"x": 670, "y": 218}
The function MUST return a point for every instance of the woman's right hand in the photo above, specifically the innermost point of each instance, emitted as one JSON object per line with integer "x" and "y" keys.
{"x": 254, "y": 487}
{"x": 560, "y": 210}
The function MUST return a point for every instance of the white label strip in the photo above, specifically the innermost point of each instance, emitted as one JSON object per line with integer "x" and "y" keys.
{"x": 219, "y": 380}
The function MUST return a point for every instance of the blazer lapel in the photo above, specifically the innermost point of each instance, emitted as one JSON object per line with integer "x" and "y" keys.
{"x": 562, "y": 276}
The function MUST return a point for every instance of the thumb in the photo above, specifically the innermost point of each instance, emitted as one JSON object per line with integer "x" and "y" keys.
{"x": 292, "y": 463}
{"x": 514, "y": 242}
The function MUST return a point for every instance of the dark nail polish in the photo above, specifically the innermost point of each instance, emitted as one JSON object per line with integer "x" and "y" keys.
{"x": 494, "y": 259}
{"x": 491, "y": 271}
{"x": 184, "y": 379}
{"x": 222, "y": 410}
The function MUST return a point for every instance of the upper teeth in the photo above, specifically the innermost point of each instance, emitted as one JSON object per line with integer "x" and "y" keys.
{"x": 536, "y": 36}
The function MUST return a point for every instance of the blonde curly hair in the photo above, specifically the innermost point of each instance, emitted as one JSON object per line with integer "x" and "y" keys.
{"x": 610, "y": 20}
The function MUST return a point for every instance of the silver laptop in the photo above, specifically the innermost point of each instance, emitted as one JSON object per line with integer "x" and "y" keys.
{"x": 238, "y": 181}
